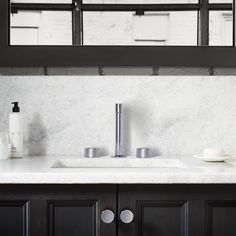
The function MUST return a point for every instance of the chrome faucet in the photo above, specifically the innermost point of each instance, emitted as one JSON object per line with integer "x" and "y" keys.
{"x": 119, "y": 144}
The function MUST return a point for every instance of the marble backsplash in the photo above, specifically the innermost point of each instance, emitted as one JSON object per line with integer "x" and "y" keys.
{"x": 172, "y": 114}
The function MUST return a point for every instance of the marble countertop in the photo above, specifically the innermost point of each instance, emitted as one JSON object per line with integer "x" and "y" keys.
{"x": 37, "y": 170}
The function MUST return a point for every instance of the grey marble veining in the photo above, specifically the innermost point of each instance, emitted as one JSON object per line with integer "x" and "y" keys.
{"x": 174, "y": 115}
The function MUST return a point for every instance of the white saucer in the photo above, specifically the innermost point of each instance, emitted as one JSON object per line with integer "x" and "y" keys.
{"x": 212, "y": 159}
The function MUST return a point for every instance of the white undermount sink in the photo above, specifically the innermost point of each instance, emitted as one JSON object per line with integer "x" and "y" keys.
{"x": 109, "y": 162}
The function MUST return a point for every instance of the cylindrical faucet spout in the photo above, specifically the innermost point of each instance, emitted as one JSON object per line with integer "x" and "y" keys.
{"x": 119, "y": 145}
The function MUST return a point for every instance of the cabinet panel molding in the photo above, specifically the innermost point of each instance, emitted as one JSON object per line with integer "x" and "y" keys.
{"x": 162, "y": 218}
{"x": 14, "y": 218}
{"x": 220, "y": 218}
{"x": 73, "y": 217}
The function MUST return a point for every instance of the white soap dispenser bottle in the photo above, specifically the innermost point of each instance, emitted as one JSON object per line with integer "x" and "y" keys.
{"x": 16, "y": 131}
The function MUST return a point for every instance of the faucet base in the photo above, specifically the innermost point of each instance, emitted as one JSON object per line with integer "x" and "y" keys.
{"x": 118, "y": 156}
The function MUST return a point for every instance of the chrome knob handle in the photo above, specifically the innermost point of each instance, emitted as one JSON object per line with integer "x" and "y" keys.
{"x": 107, "y": 216}
{"x": 126, "y": 216}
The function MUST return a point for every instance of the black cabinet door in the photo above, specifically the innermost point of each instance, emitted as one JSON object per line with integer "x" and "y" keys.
{"x": 56, "y": 210}
{"x": 178, "y": 210}
{"x": 220, "y": 210}
{"x": 13, "y": 218}
{"x": 158, "y": 210}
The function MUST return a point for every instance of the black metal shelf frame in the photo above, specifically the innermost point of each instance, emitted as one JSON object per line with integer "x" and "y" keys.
{"x": 81, "y": 55}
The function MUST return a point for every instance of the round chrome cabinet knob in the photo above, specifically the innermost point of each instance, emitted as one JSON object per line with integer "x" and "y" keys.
{"x": 126, "y": 216}
{"x": 107, "y": 216}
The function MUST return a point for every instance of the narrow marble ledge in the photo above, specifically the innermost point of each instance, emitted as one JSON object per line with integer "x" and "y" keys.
{"x": 37, "y": 170}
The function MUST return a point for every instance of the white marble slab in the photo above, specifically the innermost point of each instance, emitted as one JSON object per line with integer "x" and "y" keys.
{"x": 173, "y": 115}
{"x": 37, "y": 170}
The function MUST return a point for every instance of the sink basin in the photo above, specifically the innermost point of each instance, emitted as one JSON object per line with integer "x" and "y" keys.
{"x": 109, "y": 162}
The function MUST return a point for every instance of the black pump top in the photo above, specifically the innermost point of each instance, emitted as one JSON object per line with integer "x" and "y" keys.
{"x": 15, "y": 107}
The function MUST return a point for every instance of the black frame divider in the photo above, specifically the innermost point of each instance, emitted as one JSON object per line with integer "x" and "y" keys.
{"x": 84, "y": 55}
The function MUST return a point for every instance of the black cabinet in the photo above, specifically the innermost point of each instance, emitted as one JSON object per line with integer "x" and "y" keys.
{"x": 149, "y": 210}
{"x": 56, "y": 210}
{"x": 158, "y": 210}
{"x": 179, "y": 210}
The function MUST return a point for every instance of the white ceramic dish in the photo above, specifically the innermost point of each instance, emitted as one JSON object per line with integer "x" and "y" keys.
{"x": 212, "y": 159}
